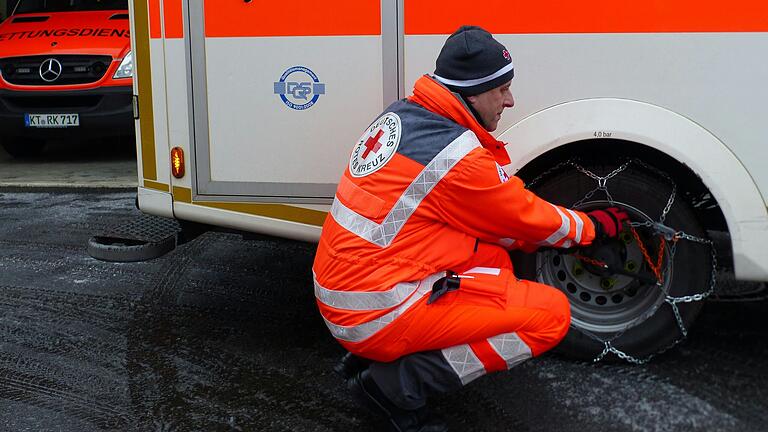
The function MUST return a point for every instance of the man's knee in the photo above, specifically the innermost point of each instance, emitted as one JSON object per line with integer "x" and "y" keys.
{"x": 551, "y": 324}
{"x": 562, "y": 310}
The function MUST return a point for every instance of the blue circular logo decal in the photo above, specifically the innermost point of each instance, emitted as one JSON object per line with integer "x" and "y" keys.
{"x": 299, "y": 88}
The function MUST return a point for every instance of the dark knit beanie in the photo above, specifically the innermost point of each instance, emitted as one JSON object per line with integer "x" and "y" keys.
{"x": 472, "y": 62}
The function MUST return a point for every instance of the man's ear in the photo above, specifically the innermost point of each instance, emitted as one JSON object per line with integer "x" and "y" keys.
{"x": 471, "y": 99}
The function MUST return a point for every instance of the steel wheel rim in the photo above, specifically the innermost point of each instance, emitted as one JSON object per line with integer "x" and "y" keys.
{"x": 594, "y": 306}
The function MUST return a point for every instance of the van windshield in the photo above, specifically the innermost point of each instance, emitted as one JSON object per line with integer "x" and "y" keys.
{"x": 44, "y": 6}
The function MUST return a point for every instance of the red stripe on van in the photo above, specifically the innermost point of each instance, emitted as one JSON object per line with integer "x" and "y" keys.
{"x": 173, "y": 17}
{"x": 591, "y": 16}
{"x": 155, "y": 29}
{"x": 237, "y": 18}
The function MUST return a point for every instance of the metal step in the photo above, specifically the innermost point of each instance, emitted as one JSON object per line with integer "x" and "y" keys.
{"x": 144, "y": 238}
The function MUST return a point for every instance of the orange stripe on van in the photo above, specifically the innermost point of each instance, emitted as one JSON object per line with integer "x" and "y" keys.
{"x": 173, "y": 18}
{"x": 155, "y": 29}
{"x": 591, "y": 16}
{"x": 237, "y": 18}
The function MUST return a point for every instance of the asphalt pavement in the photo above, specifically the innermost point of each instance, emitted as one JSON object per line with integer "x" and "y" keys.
{"x": 104, "y": 163}
{"x": 222, "y": 334}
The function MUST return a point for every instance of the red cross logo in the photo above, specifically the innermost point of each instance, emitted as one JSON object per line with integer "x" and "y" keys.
{"x": 373, "y": 144}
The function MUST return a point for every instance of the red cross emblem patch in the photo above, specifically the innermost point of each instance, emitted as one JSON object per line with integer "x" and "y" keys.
{"x": 377, "y": 146}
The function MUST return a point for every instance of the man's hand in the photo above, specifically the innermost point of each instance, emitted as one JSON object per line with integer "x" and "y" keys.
{"x": 608, "y": 222}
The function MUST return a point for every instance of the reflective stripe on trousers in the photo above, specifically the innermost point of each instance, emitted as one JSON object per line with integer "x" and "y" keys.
{"x": 352, "y": 300}
{"x": 468, "y": 366}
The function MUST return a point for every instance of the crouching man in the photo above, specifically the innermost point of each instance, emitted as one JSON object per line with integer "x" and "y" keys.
{"x": 412, "y": 273}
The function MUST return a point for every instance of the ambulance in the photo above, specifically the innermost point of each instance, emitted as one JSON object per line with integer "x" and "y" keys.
{"x": 248, "y": 112}
{"x": 66, "y": 71}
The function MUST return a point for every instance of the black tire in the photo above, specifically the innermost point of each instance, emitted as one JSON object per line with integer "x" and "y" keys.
{"x": 21, "y": 149}
{"x": 127, "y": 250}
{"x": 645, "y": 194}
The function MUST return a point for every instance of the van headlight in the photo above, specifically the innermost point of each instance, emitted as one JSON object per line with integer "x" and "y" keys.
{"x": 126, "y": 67}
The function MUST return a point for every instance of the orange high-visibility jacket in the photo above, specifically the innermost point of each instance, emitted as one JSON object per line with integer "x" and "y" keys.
{"x": 422, "y": 187}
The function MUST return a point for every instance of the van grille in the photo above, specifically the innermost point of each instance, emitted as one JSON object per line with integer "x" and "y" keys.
{"x": 36, "y": 103}
{"x": 74, "y": 69}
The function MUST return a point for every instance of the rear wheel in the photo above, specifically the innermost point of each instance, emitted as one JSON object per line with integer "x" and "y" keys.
{"x": 22, "y": 148}
{"x": 630, "y": 310}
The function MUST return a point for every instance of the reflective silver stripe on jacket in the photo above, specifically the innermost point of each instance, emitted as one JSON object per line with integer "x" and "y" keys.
{"x": 464, "y": 362}
{"x": 383, "y": 234}
{"x": 579, "y": 226}
{"x": 361, "y": 332}
{"x": 511, "y": 348}
{"x": 364, "y": 300}
{"x": 507, "y": 242}
{"x": 565, "y": 227}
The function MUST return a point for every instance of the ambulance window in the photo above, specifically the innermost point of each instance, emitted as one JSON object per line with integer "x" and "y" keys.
{"x": 44, "y": 6}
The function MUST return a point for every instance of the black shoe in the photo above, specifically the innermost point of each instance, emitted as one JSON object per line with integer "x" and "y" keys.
{"x": 350, "y": 365}
{"x": 367, "y": 393}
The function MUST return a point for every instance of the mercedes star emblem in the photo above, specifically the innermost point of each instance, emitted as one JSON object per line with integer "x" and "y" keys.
{"x": 50, "y": 70}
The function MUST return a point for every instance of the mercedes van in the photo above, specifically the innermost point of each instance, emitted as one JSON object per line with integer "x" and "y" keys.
{"x": 65, "y": 72}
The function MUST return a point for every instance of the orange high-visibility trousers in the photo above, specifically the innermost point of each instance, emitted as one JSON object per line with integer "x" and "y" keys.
{"x": 491, "y": 303}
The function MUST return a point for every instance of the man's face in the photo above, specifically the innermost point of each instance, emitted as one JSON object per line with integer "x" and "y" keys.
{"x": 491, "y": 104}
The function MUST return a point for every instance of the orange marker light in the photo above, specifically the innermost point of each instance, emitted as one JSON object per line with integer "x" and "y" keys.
{"x": 177, "y": 162}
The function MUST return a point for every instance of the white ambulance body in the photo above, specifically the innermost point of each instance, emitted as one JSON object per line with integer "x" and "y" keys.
{"x": 267, "y": 99}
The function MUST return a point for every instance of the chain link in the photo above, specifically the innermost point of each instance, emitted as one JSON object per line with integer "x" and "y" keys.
{"x": 602, "y": 182}
{"x": 666, "y": 176}
{"x": 548, "y": 172}
{"x": 667, "y": 233}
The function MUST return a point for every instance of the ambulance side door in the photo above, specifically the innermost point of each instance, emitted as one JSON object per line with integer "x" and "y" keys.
{"x": 282, "y": 91}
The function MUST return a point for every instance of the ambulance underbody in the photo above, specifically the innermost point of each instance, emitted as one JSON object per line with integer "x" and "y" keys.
{"x": 662, "y": 114}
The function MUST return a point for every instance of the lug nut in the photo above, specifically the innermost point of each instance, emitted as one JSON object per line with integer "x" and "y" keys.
{"x": 630, "y": 266}
{"x": 607, "y": 283}
{"x": 577, "y": 269}
{"x": 625, "y": 237}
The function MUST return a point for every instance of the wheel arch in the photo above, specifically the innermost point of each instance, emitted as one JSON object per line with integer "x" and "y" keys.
{"x": 694, "y": 157}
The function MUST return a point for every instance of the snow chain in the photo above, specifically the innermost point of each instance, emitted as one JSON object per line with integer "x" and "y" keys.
{"x": 667, "y": 234}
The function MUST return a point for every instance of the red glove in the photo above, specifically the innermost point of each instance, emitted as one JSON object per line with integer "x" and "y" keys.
{"x": 608, "y": 222}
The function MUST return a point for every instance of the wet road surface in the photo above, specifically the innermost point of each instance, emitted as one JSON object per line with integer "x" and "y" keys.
{"x": 223, "y": 335}
{"x": 84, "y": 163}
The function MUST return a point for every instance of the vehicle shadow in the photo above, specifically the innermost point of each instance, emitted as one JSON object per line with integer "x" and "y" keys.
{"x": 97, "y": 162}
